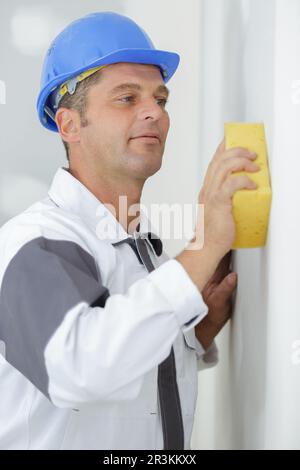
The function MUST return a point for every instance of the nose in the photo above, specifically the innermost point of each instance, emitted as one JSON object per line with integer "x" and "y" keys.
{"x": 150, "y": 109}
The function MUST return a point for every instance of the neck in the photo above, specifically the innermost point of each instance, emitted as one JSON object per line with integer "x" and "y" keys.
{"x": 118, "y": 193}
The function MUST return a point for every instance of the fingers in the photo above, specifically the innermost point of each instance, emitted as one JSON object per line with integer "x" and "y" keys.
{"x": 235, "y": 183}
{"x": 221, "y": 146}
{"x": 226, "y": 287}
{"x": 208, "y": 290}
{"x": 231, "y": 165}
{"x": 224, "y": 265}
{"x": 221, "y": 271}
{"x": 210, "y": 169}
{"x": 221, "y": 300}
{"x": 236, "y": 152}
{"x": 224, "y": 162}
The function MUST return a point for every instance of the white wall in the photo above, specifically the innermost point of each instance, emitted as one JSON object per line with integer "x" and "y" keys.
{"x": 251, "y": 72}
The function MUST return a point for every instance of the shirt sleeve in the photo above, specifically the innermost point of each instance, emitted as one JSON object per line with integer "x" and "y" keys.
{"x": 205, "y": 358}
{"x": 76, "y": 342}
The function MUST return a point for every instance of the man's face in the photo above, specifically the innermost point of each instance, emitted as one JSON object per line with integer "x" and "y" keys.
{"x": 127, "y": 103}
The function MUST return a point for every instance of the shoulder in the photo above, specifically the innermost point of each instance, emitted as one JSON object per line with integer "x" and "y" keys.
{"x": 44, "y": 226}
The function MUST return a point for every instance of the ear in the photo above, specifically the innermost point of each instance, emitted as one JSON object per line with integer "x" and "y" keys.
{"x": 68, "y": 123}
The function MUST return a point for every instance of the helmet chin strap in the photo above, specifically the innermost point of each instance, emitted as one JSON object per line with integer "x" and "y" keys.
{"x": 50, "y": 113}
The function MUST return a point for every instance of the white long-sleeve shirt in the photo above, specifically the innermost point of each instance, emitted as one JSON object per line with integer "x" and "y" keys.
{"x": 84, "y": 326}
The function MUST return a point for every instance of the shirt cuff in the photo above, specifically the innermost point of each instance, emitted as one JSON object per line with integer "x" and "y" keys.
{"x": 206, "y": 358}
{"x": 180, "y": 291}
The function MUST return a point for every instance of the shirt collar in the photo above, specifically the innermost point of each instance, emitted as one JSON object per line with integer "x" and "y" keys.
{"x": 69, "y": 193}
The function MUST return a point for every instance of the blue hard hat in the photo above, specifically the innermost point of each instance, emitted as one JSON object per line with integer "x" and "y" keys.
{"x": 96, "y": 39}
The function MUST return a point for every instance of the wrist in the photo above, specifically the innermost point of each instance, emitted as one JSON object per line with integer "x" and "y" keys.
{"x": 206, "y": 331}
{"x": 200, "y": 264}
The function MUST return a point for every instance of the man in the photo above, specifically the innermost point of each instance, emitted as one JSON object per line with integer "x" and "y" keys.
{"x": 103, "y": 333}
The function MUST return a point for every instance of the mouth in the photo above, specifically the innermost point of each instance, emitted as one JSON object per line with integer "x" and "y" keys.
{"x": 150, "y": 138}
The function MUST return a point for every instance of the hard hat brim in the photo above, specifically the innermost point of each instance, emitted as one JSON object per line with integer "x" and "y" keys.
{"x": 165, "y": 60}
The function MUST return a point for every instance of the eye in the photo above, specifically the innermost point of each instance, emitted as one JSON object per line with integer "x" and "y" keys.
{"x": 127, "y": 99}
{"x": 130, "y": 98}
{"x": 162, "y": 101}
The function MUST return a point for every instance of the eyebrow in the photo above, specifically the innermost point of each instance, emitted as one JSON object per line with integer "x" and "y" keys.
{"x": 137, "y": 87}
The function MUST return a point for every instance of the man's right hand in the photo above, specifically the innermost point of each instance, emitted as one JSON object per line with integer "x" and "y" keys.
{"x": 219, "y": 229}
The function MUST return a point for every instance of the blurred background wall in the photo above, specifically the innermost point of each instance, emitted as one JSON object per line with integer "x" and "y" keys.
{"x": 250, "y": 71}
{"x": 239, "y": 62}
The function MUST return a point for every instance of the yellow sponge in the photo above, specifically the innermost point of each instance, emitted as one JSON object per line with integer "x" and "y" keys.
{"x": 251, "y": 207}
